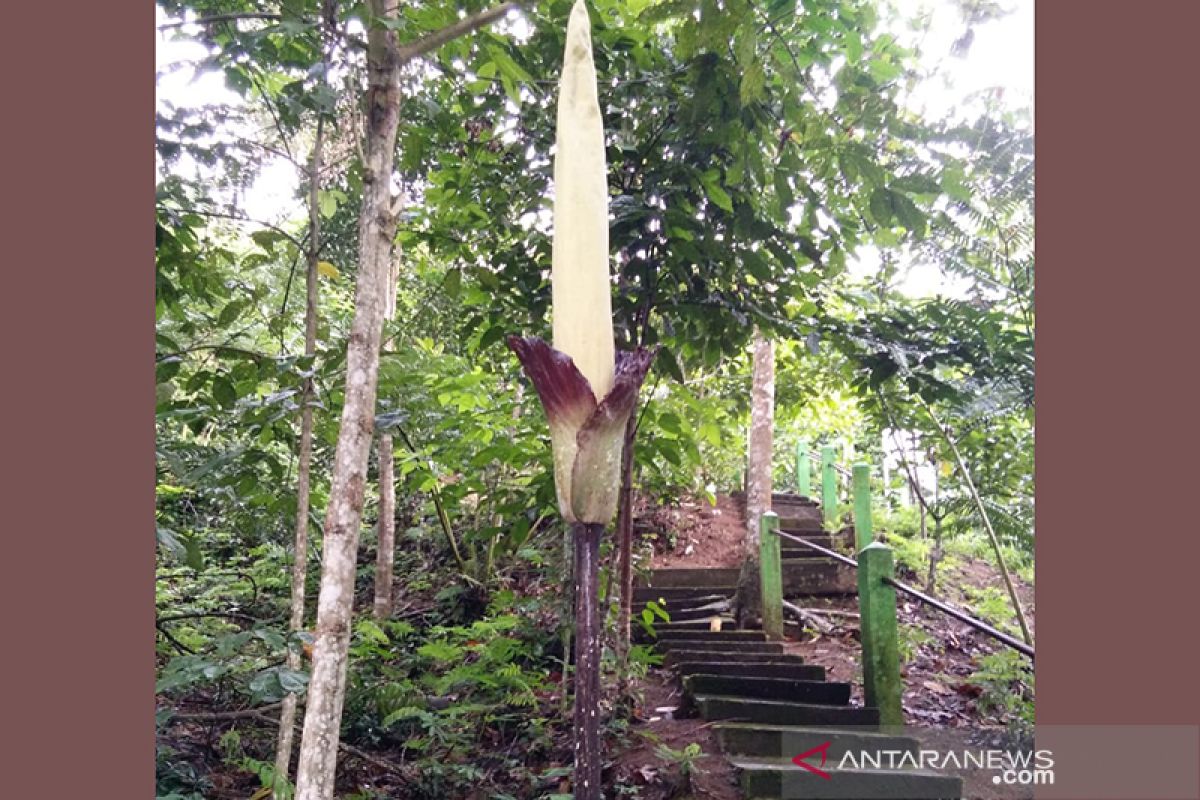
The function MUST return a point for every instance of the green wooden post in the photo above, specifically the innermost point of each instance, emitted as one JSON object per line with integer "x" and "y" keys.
{"x": 882, "y": 688}
{"x": 862, "y": 506}
{"x": 770, "y": 572}
{"x": 803, "y": 469}
{"x": 828, "y": 485}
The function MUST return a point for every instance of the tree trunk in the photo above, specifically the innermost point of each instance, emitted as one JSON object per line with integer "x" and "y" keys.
{"x": 587, "y": 661}
{"x": 377, "y": 228}
{"x": 625, "y": 551}
{"x": 762, "y": 433}
{"x": 758, "y": 471}
{"x": 317, "y": 763}
{"x": 935, "y": 556}
{"x": 287, "y": 714}
{"x": 386, "y": 554}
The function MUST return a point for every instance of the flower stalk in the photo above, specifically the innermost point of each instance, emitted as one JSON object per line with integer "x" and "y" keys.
{"x": 587, "y": 388}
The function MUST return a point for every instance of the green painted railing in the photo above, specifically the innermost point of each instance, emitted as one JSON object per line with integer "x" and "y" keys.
{"x": 877, "y": 584}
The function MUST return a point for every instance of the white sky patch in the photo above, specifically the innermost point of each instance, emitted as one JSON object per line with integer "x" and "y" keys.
{"x": 1000, "y": 61}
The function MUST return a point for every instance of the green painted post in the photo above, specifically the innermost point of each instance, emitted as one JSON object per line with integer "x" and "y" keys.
{"x": 882, "y": 688}
{"x": 828, "y": 485}
{"x": 770, "y": 571}
{"x": 803, "y": 469}
{"x": 862, "y": 506}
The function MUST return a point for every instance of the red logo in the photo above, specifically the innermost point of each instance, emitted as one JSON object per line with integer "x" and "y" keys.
{"x": 823, "y": 749}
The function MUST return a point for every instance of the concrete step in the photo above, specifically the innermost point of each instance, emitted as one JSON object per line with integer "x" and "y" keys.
{"x": 685, "y": 632}
{"x": 818, "y": 576}
{"x": 763, "y": 778}
{"x": 786, "y": 741}
{"x": 684, "y": 577}
{"x": 644, "y": 593}
{"x": 744, "y": 669}
{"x": 694, "y": 646}
{"x": 800, "y": 551}
{"x": 794, "y": 499}
{"x": 823, "y": 539}
{"x": 801, "y": 576}
{"x": 734, "y": 657}
{"x": 780, "y": 712}
{"x": 797, "y": 520}
{"x": 786, "y": 689}
{"x": 705, "y": 611}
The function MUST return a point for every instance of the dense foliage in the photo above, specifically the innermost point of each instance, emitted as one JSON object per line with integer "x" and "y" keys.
{"x": 756, "y": 151}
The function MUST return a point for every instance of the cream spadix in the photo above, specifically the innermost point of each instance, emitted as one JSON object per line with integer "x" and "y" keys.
{"x": 582, "y": 307}
{"x": 587, "y": 389}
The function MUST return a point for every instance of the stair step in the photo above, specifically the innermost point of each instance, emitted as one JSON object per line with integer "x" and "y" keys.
{"x": 677, "y": 632}
{"x": 658, "y": 593}
{"x": 818, "y": 576}
{"x": 705, "y": 611}
{"x": 685, "y": 654}
{"x": 801, "y": 576}
{"x": 780, "y": 712}
{"x": 823, "y": 539}
{"x": 694, "y": 646}
{"x": 792, "y": 498}
{"x": 745, "y": 669}
{"x": 785, "y": 689}
{"x": 762, "y": 778}
{"x": 786, "y": 741}
{"x": 689, "y": 577}
{"x": 800, "y": 551}
{"x": 808, "y": 520}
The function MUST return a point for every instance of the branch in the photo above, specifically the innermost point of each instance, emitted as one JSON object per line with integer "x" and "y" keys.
{"x": 220, "y": 18}
{"x": 425, "y": 44}
{"x": 912, "y": 480}
{"x": 219, "y": 716}
{"x": 240, "y": 218}
{"x": 180, "y": 646}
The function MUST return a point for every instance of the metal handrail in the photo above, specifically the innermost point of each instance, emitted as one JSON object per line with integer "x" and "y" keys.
{"x": 962, "y": 616}
{"x": 815, "y": 458}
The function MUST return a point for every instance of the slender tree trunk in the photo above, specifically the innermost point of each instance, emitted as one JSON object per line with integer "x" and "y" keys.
{"x": 377, "y": 228}
{"x": 625, "y": 551}
{"x": 762, "y": 434}
{"x": 385, "y": 556}
{"x": 287, "y": 714}
{"x": 758, "y": 472}
{"x": 987, "y": 522}
{"x": 317, "y": 763}
{"x": 935, "y": 556}
{"x": 588, "y": 759}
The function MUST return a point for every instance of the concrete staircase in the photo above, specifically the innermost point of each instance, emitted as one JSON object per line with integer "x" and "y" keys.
{"x": 769, "y": 706}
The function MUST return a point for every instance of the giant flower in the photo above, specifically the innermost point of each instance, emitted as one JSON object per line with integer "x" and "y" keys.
{"x": 587, "y": 389}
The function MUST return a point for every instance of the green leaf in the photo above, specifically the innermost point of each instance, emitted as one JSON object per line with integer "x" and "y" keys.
{"x": 881, "y": 206}
{"x": 711, "y": 181}
{"x": 507, "y": 66}
{"x": 369, "y": 630}
{"x": 440, "y": 651}
{"x": 753, "y": 85}
{"x": 223, "y": 391}
{"x": 453, "y": 283}
{"x": 909, "y": 215}
{"x": 231, "y": 312}
{"x": 327, "y": 203}
{"x": 917, "y": 184}
{"x": 493, "y": 335}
